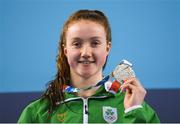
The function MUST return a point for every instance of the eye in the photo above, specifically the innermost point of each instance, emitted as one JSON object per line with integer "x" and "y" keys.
{"x": 76, "y": 44}
{"x": 95, "y": 43}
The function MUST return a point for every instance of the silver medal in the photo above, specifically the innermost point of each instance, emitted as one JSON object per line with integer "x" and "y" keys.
{"x": 123, "y": 71}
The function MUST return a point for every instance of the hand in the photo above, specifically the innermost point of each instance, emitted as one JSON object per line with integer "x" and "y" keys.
{"x": 135, "y": 92}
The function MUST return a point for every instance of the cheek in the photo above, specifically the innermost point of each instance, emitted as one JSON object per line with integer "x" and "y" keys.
{"x": 72, "y": 58}
{"x": 101, "y": 58}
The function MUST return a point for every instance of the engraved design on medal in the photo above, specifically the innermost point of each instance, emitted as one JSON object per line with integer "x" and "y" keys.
{"x": 123, "y": 71}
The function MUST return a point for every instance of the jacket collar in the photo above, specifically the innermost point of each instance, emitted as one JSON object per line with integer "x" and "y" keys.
{"x": 100, "y": 93}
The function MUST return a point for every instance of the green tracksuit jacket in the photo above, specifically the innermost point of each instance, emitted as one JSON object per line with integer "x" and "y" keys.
{"x": 103, "y": 107}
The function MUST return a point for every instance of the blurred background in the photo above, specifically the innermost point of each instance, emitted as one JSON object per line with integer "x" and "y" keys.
{"x": 145, "y": 32}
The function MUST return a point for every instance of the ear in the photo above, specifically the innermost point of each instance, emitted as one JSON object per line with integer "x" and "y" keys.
{"x": 65, "y": 50}
{"x": 108, "y": 46}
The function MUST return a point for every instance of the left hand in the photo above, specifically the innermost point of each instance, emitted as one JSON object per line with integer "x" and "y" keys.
{"x": 135, "y": 92}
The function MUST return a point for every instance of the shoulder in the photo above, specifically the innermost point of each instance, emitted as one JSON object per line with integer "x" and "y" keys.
{"x": 37, "y": 104}
{"x": 30, "y": 112}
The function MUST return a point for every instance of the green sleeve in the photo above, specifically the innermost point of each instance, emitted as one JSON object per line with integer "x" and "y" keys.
{"x": 28, "y": 115}
{"x": 141, "y": 115}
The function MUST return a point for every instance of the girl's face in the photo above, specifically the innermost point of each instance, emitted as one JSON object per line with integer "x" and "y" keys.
{"x": 86, "y": 48}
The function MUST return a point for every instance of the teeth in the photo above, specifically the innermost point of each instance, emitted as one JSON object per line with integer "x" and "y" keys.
{"x": 86, "y": 62}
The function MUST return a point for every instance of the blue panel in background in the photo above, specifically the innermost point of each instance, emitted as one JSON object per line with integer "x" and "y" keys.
{"x": 147, "y": 33}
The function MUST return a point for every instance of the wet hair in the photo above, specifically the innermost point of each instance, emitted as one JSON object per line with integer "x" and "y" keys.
{"x": 54, "y": 92}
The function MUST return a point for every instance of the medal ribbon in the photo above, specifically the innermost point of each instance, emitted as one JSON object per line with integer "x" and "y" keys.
{"x": 70, "y": 89}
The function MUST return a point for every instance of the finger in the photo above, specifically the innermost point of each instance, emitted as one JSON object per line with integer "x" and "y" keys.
{"x": 129, "y": 91}
{"x": 130, "y": 88}
{"x": 127, "y": 86}
{"x": 133, "y": 81}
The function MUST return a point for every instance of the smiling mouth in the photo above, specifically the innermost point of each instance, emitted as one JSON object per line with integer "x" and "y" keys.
{"x": 86, "y": 62}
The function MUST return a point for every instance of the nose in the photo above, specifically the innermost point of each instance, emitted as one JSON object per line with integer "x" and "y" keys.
{"x": 86, "y": 51}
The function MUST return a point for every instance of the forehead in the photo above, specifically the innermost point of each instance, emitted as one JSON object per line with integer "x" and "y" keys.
{"x": 85, "y": 29}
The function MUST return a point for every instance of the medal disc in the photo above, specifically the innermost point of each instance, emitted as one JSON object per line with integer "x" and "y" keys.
{"x": 123, "y": 71}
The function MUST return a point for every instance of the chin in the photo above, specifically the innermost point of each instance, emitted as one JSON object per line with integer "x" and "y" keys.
{"x": 86, "y": 75}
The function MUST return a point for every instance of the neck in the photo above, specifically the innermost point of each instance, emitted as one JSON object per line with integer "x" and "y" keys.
{"x": 84, "y": 82}
{"x": 81, "y": 82}
{"x": 87, "y": 93}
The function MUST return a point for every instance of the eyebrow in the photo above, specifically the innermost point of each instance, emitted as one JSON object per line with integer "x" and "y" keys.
{"x": 96, "y": 37}
{"x": 79, "y": 39}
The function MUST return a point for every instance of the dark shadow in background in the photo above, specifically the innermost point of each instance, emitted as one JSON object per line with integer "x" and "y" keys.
{"x": 166, "y": 102}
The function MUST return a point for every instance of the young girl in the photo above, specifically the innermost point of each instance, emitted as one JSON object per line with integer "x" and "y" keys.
{"x": 84, "y": 46}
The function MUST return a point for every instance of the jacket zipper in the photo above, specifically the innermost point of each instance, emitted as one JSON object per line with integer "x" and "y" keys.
{"x": 85, "y": 111}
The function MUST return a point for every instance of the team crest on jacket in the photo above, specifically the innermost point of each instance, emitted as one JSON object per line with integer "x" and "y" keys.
{"x": 109, "y": 114}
